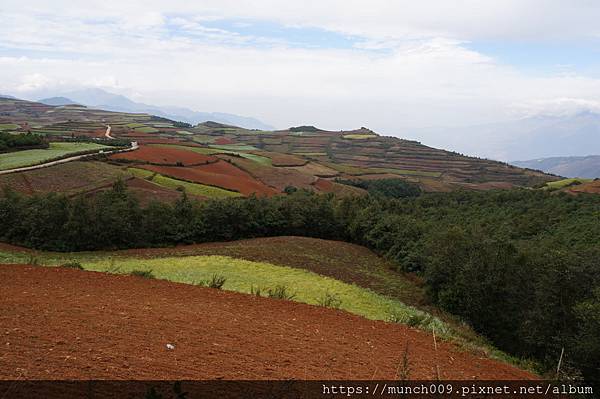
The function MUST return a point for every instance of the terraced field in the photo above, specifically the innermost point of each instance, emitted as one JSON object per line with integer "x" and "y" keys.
{"x": 261, "y": 162}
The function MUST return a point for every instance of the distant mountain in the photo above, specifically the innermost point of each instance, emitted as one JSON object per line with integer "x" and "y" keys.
{"x": 99, "y": 98}
{"x": 57, "y": 101}
{"x": 7, "y": 96}
{"x": 528, "y": 138}
{"x": 586, "y": 167}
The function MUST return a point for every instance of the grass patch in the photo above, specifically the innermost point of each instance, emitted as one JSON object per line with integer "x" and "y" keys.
{"x": 8, "y": 126}
{"x": 190, "y": 188}
{"x": 146, "y": 129}
{"x": 358, "y": 136}
{"x": 135, "y": 125}
{"x": 234, "y": 147}
{"x": 555, "y": 185}
{"x": 19, "y": 159}
{"x": 258, "y": 277}
{"x": 244, "y": 276}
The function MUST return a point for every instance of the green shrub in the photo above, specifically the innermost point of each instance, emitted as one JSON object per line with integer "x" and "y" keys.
{"x": 330, "y": 300}
{"x": 256, "y": 291}
{"x": 142, "y": 273}
{"x": 73, "y": 265}
{"x": 216, "y": 281}
{"x": 280, "y": 292}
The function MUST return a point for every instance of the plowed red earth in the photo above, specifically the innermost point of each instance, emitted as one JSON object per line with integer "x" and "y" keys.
{"x": 58, "y": 323}
{"x": 220, "y": 174}
{"x": 165, "y": 156}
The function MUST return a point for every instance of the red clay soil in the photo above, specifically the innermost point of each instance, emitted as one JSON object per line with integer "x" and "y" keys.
{"x": 220, "y": 174}
{"x": 592, "y": 187}
{"x": 279, "y": 159}
{"x": 165, "y": 156}
{"x": 58, "y": 323}
{"x": 224, "y": 140}
{"x": 146, "y": 192}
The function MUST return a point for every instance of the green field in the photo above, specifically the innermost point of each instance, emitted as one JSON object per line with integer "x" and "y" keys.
{"x": 135, "y": 125}
{"x": 234, "y": 147}
{"x": 245, "y": 276}
{"x": 566, "y": 182}
{"x": 190, "y": 188}
{"x": 8, "y": 126}
{"x": 358, "y": 136}
{"x": 19, "y": 159}
{"x": 146, "y": 129}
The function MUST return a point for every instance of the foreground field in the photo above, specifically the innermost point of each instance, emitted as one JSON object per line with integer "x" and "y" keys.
{"x": 309, "y": 268}
{"x": 68, "y": 324}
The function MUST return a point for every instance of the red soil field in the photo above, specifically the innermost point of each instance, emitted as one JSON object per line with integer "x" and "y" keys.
{"x": 592, "y": 187}
{"x": 224, "y": 140}
{"x": 279, "y": 159}
{"x": 165, "y": 156}
{"x": 220, "y": 174}
{"x": 146, "y": 192}
{"x": 58, "y": 323}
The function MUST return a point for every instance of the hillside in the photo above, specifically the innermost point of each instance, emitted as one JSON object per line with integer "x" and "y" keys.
{"x": 585, "y": 167}
{"x": 224, "y": 160}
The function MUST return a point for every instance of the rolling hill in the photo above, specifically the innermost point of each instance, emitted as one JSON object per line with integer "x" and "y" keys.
{"x": 244, "y": 161}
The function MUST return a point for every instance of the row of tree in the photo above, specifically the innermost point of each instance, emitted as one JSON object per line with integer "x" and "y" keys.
{"x": 9, "y": 142}
{"x": 521, "y": 266}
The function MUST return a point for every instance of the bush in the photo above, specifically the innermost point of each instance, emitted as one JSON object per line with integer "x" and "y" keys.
{"x": 73, "y": 265}
{"x": 216, "y": 281}
{"x": 330, "y": 300}
{"x": 142, "y": 273}
{"x": 256, "y": 291}
{"x": 280, "y": 292}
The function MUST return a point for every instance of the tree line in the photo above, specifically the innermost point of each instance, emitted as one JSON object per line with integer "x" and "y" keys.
{"x": 521, "y": 266}
{"x": 11, "y": 142}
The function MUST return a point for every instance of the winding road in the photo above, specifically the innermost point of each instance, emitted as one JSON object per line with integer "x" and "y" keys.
{"x": 134, "y": 146}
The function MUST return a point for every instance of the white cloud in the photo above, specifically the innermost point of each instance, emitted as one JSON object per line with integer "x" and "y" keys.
{"x": 425, "y": 77}
{"x": 559, "y": 107}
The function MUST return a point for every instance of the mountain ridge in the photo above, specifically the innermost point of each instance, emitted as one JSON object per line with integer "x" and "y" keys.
{"x": 102, "y": 99}
{"x": 582, "y": 166}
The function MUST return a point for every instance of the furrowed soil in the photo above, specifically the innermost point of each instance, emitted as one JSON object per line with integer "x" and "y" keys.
{"x": 164, "y": 156}
{"x": 58, "y": 323}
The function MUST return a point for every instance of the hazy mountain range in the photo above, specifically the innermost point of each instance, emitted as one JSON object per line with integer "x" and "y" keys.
{"x": 588, "y": 167}
{"x": 542, "y": 136}
{"x": 102, "y": 99}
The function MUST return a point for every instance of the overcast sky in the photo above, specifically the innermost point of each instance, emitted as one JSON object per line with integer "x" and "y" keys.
{"x": 337, "y": 64}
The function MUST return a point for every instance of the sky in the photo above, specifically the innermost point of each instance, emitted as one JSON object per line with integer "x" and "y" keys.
{"x": 337, "y": 64}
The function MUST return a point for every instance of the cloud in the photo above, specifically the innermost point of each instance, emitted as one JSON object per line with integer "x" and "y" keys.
{"x": 410, "y": 64}
{"x": 558, "y": 107}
